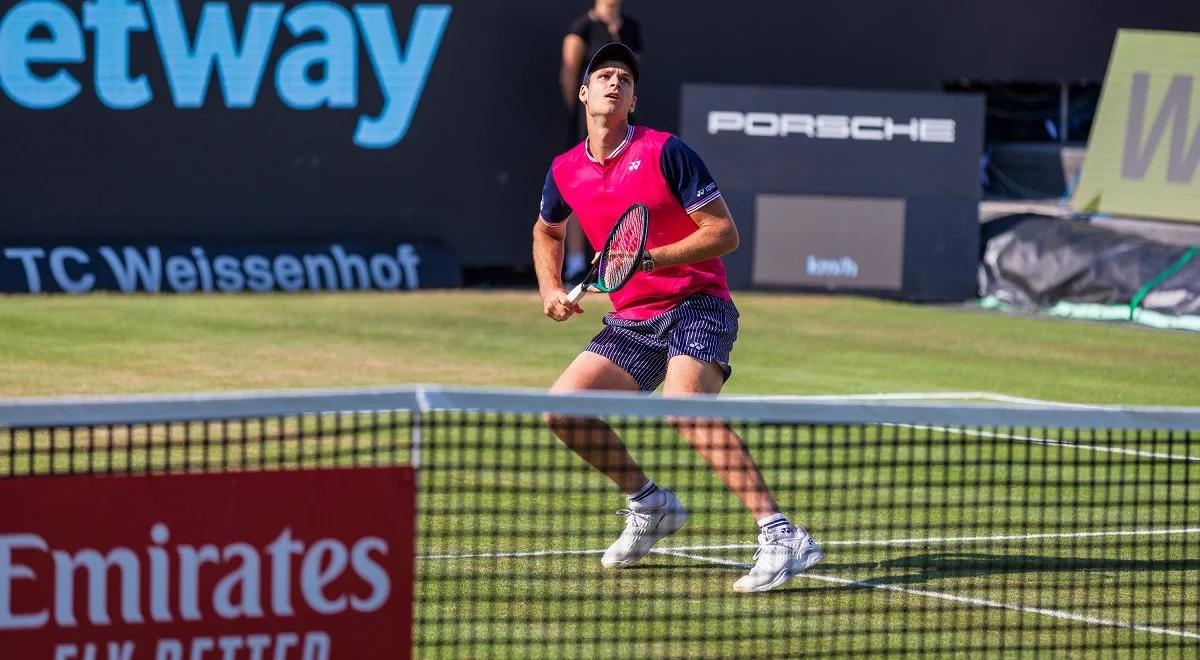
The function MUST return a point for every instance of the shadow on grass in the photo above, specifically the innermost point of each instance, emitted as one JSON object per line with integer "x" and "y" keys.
{"x": 952, "y": 565}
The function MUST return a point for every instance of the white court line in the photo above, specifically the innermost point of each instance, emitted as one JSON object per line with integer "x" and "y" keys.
{"x": 1018, "y": 537}
{"x": 851, "y": 543}
{"x": 926, "y": 396}
{"x": 967, "y": 539}
{"x": 1052, "y": 443}
{"x": 980, "y": 602}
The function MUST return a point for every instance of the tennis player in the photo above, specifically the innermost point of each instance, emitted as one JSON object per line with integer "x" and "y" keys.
{"x": 673, "y": 324}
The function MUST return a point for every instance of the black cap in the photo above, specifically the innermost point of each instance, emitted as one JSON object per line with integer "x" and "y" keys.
{"x": 612, "y": 52}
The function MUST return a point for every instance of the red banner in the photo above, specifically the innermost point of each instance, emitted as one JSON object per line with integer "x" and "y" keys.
{"x": 299, "y": 565}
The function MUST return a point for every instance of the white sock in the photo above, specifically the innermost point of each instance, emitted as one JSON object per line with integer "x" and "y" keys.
{"x": 775, "y": 522}
{"x": 648, "y": 496}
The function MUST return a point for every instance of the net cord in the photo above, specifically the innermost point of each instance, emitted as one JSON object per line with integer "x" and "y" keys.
{"x": 145, "y": 409}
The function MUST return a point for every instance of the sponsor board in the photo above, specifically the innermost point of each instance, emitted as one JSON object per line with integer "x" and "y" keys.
{"x": 836, "y": 141}
{"x": 821, "y": 241}
{"x": 309, "y": 565}
{"x": 41, "y": 37}
{"x": 870, "y": 128}
{"x": 1143, "y": 156}
{"x": 207, "y": 268}
{"x": 845, "y": 189}
{"x": 155, "y": 121}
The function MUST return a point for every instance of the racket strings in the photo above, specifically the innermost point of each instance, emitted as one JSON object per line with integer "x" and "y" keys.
{"x": 621, "y": 258}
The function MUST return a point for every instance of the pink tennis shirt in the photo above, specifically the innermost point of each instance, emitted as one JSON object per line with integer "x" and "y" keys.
{"x": 656, "y": 169}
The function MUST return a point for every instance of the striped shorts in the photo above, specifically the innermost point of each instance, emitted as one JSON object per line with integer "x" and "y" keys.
{"x": 701, "y": 326}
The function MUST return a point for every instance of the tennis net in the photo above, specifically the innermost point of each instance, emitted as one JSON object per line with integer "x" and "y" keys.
{"x": 947, "y": 529}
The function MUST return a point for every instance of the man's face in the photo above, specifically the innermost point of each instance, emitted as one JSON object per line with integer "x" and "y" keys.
{"x": 609, "y": 90}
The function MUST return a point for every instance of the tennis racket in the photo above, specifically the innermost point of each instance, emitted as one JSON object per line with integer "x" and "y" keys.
{"x": 621, "y": 256}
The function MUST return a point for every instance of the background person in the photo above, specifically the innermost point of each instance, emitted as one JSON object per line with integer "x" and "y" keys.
{"x": 602, "y": 24}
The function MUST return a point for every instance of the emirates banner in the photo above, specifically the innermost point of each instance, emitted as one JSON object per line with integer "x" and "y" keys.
{"x": 283, "y": 565}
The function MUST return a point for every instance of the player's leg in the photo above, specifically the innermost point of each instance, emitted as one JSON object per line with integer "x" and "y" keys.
{"x": 702, "y": 332}
{"x": 623, "y": 356}
{"x": 592, "y": 439}
{"x": 720, "y": 447}
{"x": 701, "y": 339}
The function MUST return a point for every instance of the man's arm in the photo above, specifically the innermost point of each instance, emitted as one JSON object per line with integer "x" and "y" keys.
{"x": 547, "y": 264}
{"x": 688, "y": 177}
{"x": 569, "y": 75}
{"x": 715, "y": 236}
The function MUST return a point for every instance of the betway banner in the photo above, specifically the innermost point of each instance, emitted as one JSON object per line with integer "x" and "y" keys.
{"x": 264, "y": 120}
{"x": 41, "y": 37}
{"x": 310, "y": 565}
{"x": 1143, "y": 156}
{"x": 207, "y": 268}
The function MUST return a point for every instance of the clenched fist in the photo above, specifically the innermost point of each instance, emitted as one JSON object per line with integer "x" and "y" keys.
{"x": 557, "y": 306}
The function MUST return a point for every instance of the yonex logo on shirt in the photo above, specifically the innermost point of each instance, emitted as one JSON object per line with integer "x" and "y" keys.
{"x": 634, "y": 165}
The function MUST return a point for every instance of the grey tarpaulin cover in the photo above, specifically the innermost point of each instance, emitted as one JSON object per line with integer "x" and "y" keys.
{"x": 1038, "y": 261}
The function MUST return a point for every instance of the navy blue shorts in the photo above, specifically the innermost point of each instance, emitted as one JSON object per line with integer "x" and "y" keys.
{"x": 701, "y": 326}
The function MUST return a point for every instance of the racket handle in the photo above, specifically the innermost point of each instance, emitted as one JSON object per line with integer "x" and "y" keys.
{"x": 577, "y": 293}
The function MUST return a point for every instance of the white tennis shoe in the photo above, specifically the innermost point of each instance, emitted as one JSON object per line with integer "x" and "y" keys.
{"x": 780, "y": 556}
{"x": 644, "y": 527}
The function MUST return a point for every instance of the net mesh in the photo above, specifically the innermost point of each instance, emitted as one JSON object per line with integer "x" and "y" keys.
{"x": 623, "y": 254}
{"x": 978, "y": 537}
